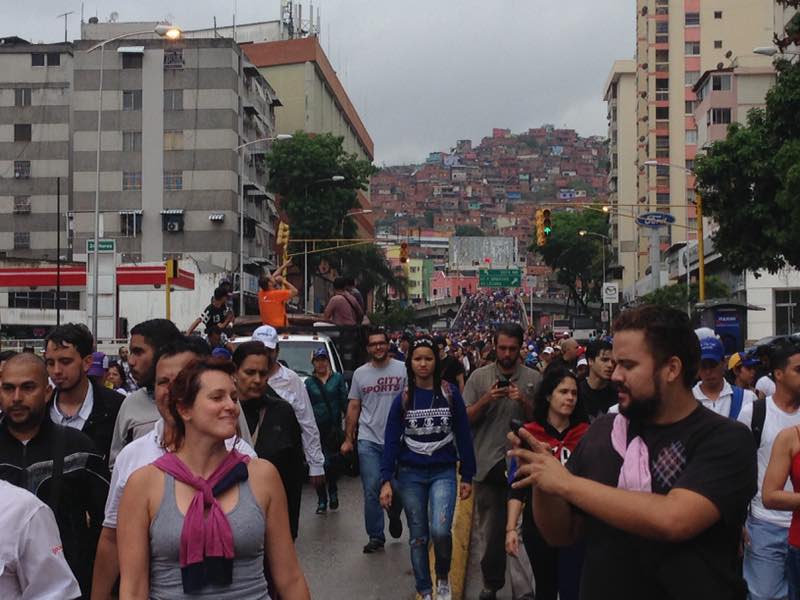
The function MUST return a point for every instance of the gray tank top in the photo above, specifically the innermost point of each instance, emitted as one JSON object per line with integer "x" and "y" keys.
{"x": 247, "y": 524}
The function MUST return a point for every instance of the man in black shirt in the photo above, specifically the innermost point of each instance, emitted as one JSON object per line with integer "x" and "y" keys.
{"x": 452, "y": 368}
{"x": 58, "y": 464}
{"x": 665, "y": 521}
{"x": 217, "y": 313}
{"x": 596, "y": 392}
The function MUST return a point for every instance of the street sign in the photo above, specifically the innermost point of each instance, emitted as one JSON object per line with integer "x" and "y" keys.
{"x": 604, "y": 316}
{"x": 104, "y": 246}
{"x": 531, "y": 280}
{"x": 610, "y": 293}
{"x": 654, "y": 219}
{"x": 499, "y": 278}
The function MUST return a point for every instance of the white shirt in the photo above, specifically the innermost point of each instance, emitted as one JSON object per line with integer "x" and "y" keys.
{"x": 776, "y": 421}
{"x": 78, "y": 420}
{"x": 765, "y": 385}
{"x": 32, "y": 563}
{"x": 722, "y": 405}
{"x": 291, "y": 388}
{"x": 140, "y": 453}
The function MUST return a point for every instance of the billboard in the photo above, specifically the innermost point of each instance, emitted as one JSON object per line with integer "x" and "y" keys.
{"x": 483, "y": 252}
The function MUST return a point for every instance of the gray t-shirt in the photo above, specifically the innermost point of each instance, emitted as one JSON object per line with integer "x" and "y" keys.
{"x": 376, "y": 389}
{"x": 490, "y": 431}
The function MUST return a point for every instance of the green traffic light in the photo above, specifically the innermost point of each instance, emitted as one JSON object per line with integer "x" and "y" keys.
{"x": 548, "y": 230}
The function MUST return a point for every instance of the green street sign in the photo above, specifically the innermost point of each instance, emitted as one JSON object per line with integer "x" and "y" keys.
{"x": 104, "y": 246}
{"x": 500, "y": 278}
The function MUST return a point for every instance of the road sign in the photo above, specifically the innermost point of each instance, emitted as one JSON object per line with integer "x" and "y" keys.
{"x": 499, "y": 278}
{"x": 604, "y": 316}
{"x": 610, "y": 293}
{"x": 104, "y": 246}
{"x": 531, "y": 281}
{"x": 655, "y": 219}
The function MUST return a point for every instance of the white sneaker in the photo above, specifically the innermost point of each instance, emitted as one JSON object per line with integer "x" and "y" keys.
{"x": 427, "y": 597}
{"x": 443, "y": 590}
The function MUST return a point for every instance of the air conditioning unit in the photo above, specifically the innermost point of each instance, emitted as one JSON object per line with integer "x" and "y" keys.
{"x": 173, "y": 226}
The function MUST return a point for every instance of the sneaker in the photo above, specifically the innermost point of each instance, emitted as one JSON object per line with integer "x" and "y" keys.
{"x": 373, "y": 546}
{"x": 334, "y": 501}
{"x": 395, "y": 525}
{"x": 322, "y": 508}
{"x": 427, "y": 596}
{"x": 487, "y": 594}
{"x": 443, "y": 590}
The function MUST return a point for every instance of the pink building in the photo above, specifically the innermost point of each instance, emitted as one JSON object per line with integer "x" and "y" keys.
{"x": 451, "y": 286}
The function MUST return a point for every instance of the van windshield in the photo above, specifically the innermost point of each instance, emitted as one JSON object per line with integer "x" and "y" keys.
{"x": 297, "y": 356}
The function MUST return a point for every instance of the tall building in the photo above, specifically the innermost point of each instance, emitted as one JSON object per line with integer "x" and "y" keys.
{"x": 620, "y": 96}
{"x": 35, "y": 97}
{"x": 678, "y": 40}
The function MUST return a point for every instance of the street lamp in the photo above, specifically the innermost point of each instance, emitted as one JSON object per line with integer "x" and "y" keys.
{"x": 279, "y": 137}
{"x": 606, "y": 239}
{"x": 355, "y": 213}
{"x": 165, "y": 31}
{"x": 772, "y": 51}
{"x": 701, "y": 255}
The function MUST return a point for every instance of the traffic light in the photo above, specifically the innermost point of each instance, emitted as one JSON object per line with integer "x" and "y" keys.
{"x": 404, "y": 252}
{"x": 547, "y": 226}
{"x": 283, "y": 235}
{"x": 541, "y": 239}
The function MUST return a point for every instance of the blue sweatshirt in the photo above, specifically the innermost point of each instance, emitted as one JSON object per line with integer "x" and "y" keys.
{"x": 429, "y": 434}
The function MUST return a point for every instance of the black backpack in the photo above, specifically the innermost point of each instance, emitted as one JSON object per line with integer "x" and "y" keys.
{"x": 757, "y": 422}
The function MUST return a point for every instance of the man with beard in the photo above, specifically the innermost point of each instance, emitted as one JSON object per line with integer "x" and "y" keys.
{"x": 77, "y": 401}
{"x": 58, "y": 464}
{"x": 660, "y": 491}
{"x": 375, "y": 386}
{"x": 495, "y": 394}
{"x": 138, "y": 413}
{"x": 596, "y": 392}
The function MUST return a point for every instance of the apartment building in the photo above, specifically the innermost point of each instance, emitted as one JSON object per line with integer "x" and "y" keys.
{"x": 677, "y": 41}
{"x": 35, "y": 96}
{"x": 620, "y": 96}
{"x": 173, "y": 174}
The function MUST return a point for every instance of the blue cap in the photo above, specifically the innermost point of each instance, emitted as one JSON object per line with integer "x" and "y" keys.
{"x": 221, "y": 353}
{"x": 320, "y": 353}
{"x": 711, "y": 349}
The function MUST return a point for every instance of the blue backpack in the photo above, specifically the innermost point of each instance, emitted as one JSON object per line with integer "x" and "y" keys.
{"x": 736, "y": 402}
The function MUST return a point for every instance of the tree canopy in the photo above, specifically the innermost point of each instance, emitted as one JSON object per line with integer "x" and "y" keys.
{"x": 469, "y": 231}
{"x": 675, "y": 295}
{"x": 749, "y": 181}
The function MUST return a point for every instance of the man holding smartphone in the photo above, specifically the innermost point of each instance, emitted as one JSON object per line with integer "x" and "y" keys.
{"x": 495, "y": 394}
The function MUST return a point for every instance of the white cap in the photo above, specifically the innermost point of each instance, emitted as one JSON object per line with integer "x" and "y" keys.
{"x": 266, "y": 335}
{"x": 547, "y": 350}
{"x": 582, "y": 361}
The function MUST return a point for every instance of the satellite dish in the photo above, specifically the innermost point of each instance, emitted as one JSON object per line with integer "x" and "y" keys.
{"x": 113, "y": 17}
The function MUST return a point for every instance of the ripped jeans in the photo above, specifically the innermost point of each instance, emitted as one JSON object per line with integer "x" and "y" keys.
{"x": 429, "y": 498}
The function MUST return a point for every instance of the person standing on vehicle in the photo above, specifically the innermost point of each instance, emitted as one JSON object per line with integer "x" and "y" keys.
{"x": 343, "y": 308}
{"x": 217, "y": 313}
{"x": 375, "y": 386}
{"x": 275, "y": 292}
{"x": 328, "y": 393}
{"x": 495, "y": 394}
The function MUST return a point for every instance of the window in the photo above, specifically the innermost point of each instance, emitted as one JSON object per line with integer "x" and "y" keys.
{"x": 662, "y": 170}
{"x": 173, "y": 181}
{"x": 662, "y": 89}
{"x": 131, "y": 223}
{"x": 173, "y": 140}
{"x": 132, "y": 60}
{"x": 22, "y": 169}
{"x": 132, "y": 100}
{"x": 37, "y": 59}
{"x": 690, "y": 164}
{"x": 691, "y": 136}
{"x": 662, "y": 26}
{"x": 173, "y": 99}
{"x": 691, "y": 77}
{"x": 662, "y": 113}
{"x": 717, "y": 14}
{"x": 691, "y": 48}
{"x": 22, "y": 132}
{"x": 662, "y": 56}
{"x": 719, "y": 116}
{"x": 131, "y": 141}
{"x": 53, "y": 59}
{"x": 721, "y": 83}
{"x": 22, "y": 97}
{"x": 132, "y": 181}
{"x": 690, "y": 106}
{"x": 787, "y": 311}
{"x": 662, "y": 199}
{"x": 692, "y": 19}
{"x": 22, "y": 240}
{"x": 40, "y": 300}
{"x": 718, "y": 44}
{"x": 662, "y": 141}
{"x": 22, "y": 205}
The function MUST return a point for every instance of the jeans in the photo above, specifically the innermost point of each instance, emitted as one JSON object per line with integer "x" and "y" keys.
{"x": 420, "y": 487}
{"x": 765, "y": 560}
{"x": 369, "y": 458}
{"x": 793, "y": 571}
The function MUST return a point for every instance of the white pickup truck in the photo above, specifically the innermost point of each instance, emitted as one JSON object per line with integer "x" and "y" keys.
{"x": 295, "y": 351}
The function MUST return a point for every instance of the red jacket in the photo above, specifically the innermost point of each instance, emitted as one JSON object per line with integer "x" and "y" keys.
{"x": 562, "y": 449}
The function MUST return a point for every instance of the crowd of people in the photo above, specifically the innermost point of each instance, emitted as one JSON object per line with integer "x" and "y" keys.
{"x": 647, "y": 465}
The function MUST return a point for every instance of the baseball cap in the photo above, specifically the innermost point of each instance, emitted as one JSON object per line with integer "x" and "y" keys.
{"x": 267, "y": 335}
{"x": 221, "y": 353}
{"x": 547, "y": 350}
{"x": 740, "y": 358}
{"x": 99, "y": 365}
{"x": 711, "y": 349}
{"x": 320, "y": 353}
{"x": 583, "y": 361}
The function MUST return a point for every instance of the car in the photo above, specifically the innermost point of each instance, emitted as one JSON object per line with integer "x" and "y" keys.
{"x": 295, "y": 351}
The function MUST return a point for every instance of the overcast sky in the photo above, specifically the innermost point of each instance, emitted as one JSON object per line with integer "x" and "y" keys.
{"x": 421, "y": 73}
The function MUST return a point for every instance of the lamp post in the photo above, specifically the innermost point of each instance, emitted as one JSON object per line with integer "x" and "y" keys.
{"x": 606, "y": 239}
{"x": 354, "y": 213}
{"x": 165, "y": 31}
{"x": 772, "y": 51}
{"x": 239, "y": 148}
{"x": 701, "y": 254}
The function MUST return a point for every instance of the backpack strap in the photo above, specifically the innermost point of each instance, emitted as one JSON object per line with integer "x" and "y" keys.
{"x": 59, "y": 446}
{"x": 759, "y": 416}
{"x": 736, "y": 402}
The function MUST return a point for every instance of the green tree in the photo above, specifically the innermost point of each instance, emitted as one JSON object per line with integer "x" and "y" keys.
{"x": 469, "y": 231}
{"x": 574, "y": 257}
{"x": 675, "y": 295}
{"x": 749, "y": 181}
{"x": 300, "y": 171}
{"x": 367, "y": 264}
{"x": 394, "y": 317}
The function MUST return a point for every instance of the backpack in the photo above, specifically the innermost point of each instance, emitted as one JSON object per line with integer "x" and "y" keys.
{"x": 759, "y": 416}
{"x": 736, "y": 402}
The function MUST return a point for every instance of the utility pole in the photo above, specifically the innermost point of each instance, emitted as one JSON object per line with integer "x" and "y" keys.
{"x": 65, "y": 15}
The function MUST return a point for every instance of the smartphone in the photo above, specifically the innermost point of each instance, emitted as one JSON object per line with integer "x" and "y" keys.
{"x": 503, "y": 383}
{"x": 515, "y": 425}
